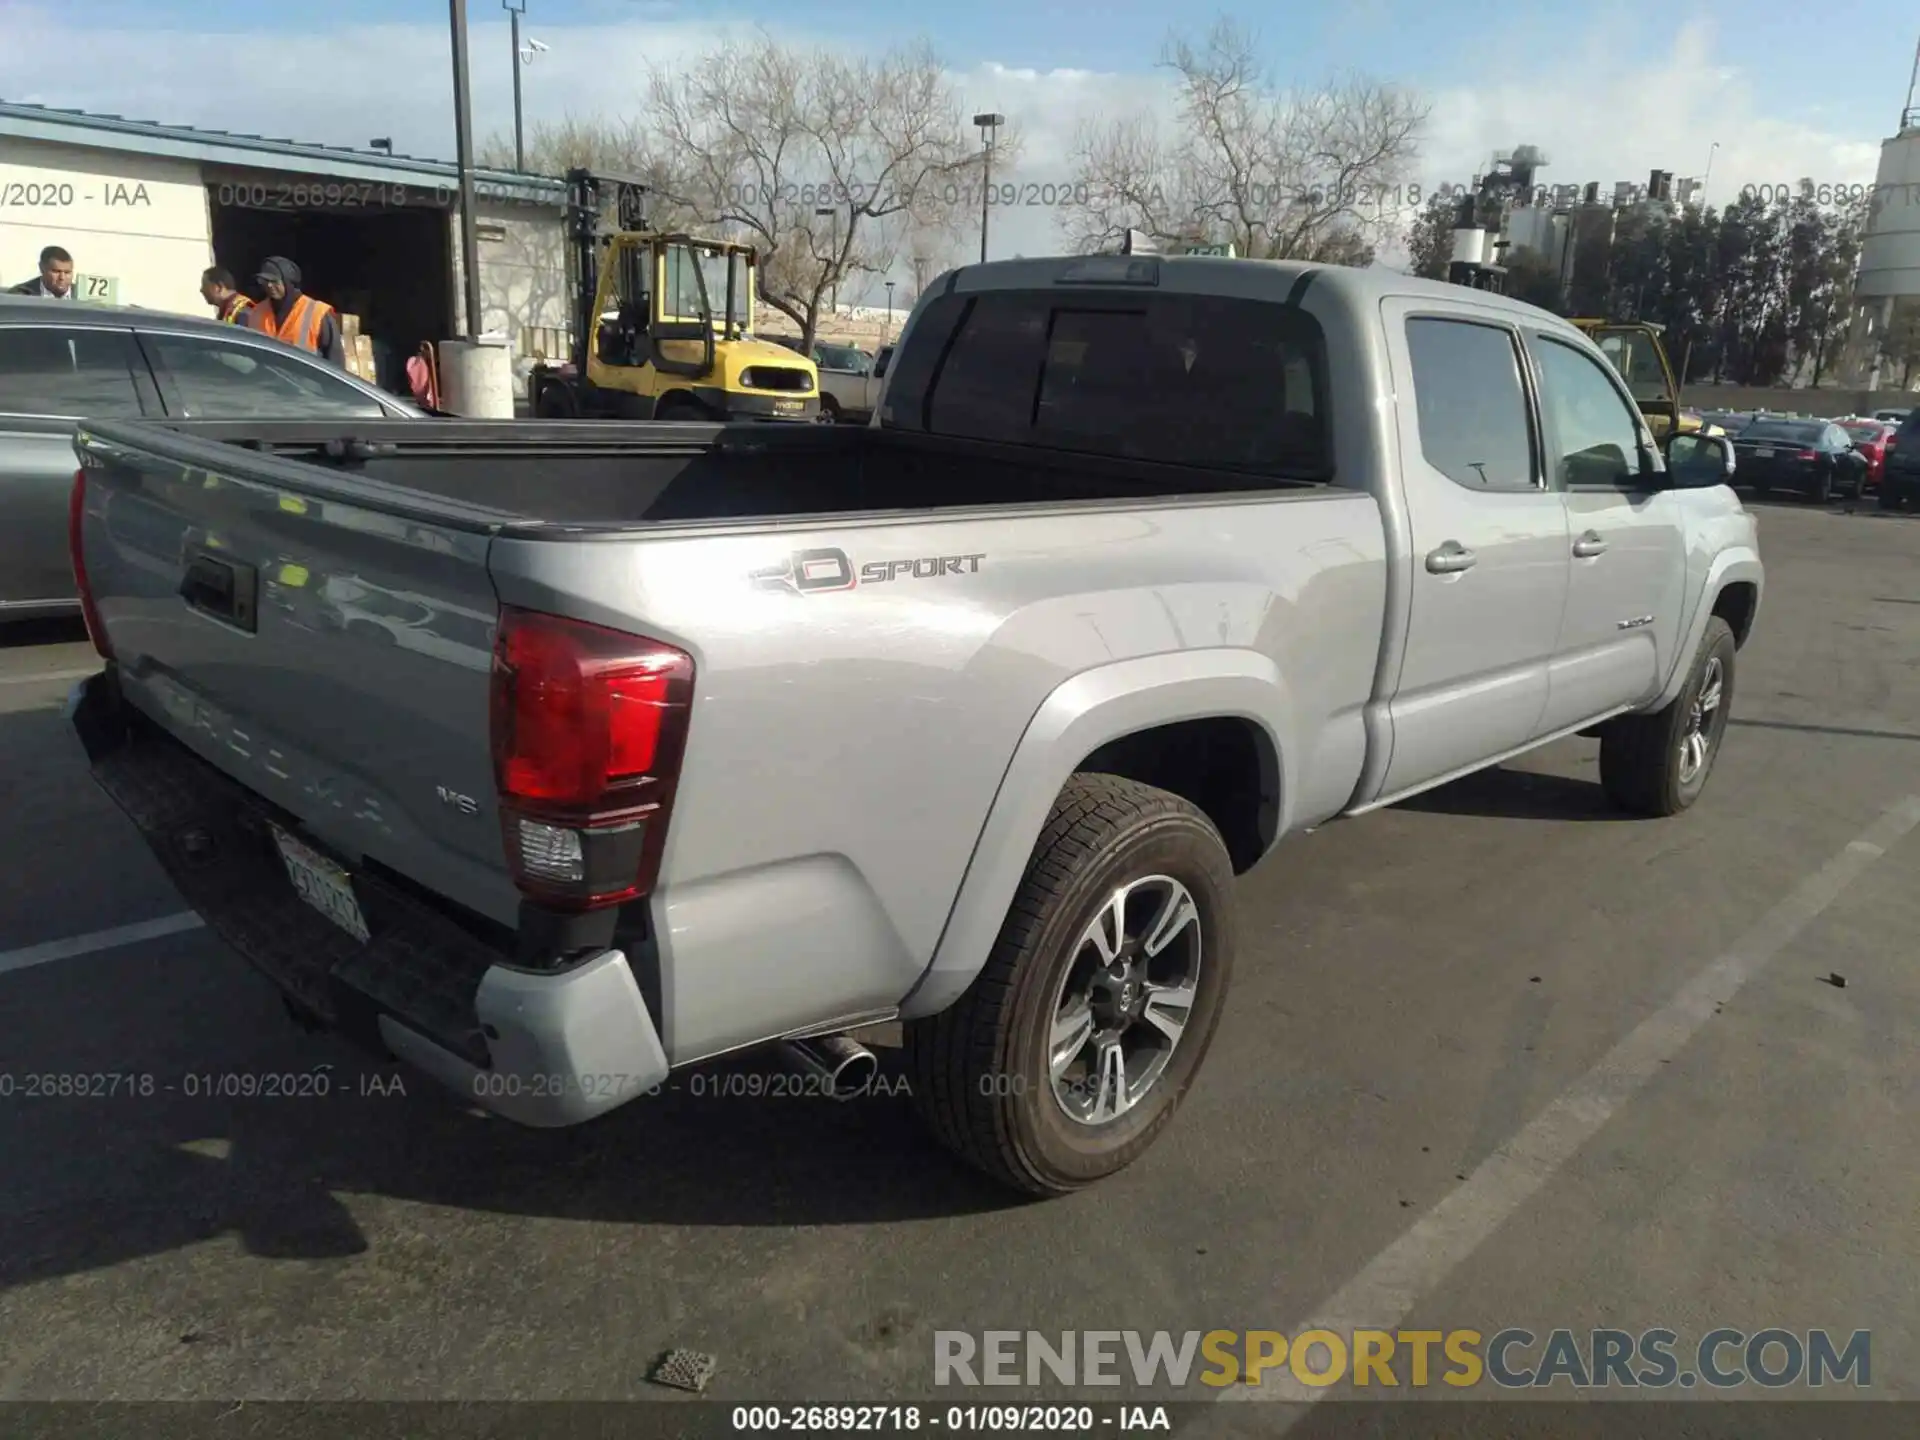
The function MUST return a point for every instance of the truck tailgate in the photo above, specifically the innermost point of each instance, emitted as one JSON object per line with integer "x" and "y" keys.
{"x": 331, "y": 656}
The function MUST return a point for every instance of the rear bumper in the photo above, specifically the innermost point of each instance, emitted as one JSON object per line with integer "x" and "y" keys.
{"x": 541, "y": 1047}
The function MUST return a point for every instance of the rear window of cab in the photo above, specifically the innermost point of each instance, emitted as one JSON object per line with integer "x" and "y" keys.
{"x": 1192, "y": 380}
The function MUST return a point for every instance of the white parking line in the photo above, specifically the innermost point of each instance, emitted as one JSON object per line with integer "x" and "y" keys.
{"x": 1385, "y": 1292}
{"x": 46, "y": 676}
{"x": 74, "y": 945}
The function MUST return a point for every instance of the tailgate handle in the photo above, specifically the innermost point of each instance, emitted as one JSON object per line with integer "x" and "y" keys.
{"x": 223, "y": 589}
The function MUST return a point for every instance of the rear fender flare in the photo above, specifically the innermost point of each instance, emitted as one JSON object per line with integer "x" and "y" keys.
{"x": 1730, "y": 567}
{"x": 1080, "y": 716}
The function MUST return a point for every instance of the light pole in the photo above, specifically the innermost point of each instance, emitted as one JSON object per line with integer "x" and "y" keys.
{"x": 887, "y": 334}
{"x": 463, "y": 144}
{"x": 833, "y": 302}
{"x": 989, "y": 124}
{"x": 519, "y": 130}
{"x": 1707, "y": 179}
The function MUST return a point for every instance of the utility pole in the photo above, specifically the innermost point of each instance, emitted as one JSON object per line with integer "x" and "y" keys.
{"x": 519, "y": 128}
{"x": 463, "y": 141}
{"x": 833, "y": 302}
{"x": 889, "y": 330}
{"x": 989, "y": 124}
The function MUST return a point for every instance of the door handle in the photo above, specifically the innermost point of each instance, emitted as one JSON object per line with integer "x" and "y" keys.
{"x": 1450, "y": 559}
{"x": 1589, "y": 545}
{"x": 227, "y": 591}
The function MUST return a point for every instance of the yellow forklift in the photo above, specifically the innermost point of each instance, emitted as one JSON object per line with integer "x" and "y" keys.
{"x": 662, "y": 324}
{"x": 1637, "y": 353}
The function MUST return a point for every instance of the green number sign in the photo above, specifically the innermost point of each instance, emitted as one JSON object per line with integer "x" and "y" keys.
{"x": 99, "y": 289}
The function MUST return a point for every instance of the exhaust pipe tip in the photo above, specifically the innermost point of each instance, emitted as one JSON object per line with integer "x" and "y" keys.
{"x": 845, "y": 1066}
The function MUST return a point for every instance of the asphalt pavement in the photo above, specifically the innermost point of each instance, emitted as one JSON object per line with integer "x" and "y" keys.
{"x": 1497, "y": 1057}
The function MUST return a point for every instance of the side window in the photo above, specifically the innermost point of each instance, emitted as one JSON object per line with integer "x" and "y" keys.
{"x": 1596, "y": 435}
{"x": 681, "y": 300}
{"x": 217, "y": 381}
{"x": 81, "y": 373}
{"x": 1471, "y": 405}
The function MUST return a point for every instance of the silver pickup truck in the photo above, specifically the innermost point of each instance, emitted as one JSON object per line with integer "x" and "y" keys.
{"x": 698, "y": 738}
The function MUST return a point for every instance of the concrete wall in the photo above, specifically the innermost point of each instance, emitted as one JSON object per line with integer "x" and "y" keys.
{"x": 1826, "y": 401}
{"x": 137, "y": 221}
{"x": 523, "y": 272}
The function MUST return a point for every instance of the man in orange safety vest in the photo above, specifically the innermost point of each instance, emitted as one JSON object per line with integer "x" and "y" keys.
{"x": 291, "y": 315}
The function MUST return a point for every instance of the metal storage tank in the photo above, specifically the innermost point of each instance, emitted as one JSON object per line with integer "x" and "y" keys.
{"x": 1889, "y": 273}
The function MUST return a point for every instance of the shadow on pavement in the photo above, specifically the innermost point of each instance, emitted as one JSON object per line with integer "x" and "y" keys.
{"x": 180, "y": 1137}
{"x": 1518, "y": 795}
{"x": 23, "y": 633}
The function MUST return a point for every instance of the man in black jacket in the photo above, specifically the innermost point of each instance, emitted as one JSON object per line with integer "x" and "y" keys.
{"x": 55, "y": 280}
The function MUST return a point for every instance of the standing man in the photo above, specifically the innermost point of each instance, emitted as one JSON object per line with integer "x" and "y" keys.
{"x": 291, "y": 315}
{"x": 216, "y": 288}
{"x": 55, "y": 280}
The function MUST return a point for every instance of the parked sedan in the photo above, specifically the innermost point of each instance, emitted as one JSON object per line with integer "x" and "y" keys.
{"x": 1872, "y": 438}
{"x": 61, "y": 363}
{"x": 1814, "y": 457}
{"x": 1900, "y": 473}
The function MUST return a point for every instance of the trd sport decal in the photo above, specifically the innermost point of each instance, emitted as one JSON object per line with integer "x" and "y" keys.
{"x": 817, "y": 572}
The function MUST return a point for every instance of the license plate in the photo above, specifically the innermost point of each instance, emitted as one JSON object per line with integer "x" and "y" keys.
{"x": 1763, "y": 454}
{"x": 787, "y": 404}
{"x": 322, "y": 884}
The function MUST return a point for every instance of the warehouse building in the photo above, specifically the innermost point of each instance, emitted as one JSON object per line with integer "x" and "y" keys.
{"x": 144, "y": 208}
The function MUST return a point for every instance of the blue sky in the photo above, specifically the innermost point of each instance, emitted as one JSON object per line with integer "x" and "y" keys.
{"x": 1438, "y": 43}
{"x": 1610, "y": 91}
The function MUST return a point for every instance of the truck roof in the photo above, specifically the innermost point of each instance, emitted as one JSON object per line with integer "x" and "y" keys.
{"x": 1251, "y": 279}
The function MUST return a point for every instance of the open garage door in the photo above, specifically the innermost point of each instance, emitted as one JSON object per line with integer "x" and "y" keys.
{"x": 390, "y": 264}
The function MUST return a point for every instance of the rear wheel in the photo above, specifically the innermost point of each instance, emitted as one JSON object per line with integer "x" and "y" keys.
{"x": 1071, "y": 1050}
{"x": 555, "y": 402}
{"x": 829, "y": 411}
{"x": 680, "y": 407}
{"x": 1822, "y": 487}
{"x": 1658, "y": 764}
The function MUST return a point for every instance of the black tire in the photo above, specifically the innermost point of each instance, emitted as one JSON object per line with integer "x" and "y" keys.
{"x": 829, "y": 412}
{"x": 979, "y": 1069}
{"x": 1641, "y": 766}
{"x": 681, "y": 407}
{"x": 1823, "y": 489}
{"x": 555, "y": 402}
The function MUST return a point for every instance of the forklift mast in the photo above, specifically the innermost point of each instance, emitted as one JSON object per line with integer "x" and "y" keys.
{"x": 587, "y": 195}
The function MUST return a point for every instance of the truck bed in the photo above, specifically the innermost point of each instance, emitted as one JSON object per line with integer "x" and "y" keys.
{"x": 599, "y": 475}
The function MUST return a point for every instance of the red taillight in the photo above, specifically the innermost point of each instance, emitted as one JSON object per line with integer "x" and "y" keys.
{"x": 1887, "y": 444}
{"x": 588, "y": 725}
{"x": 76, "y": 552}
{"x": 1808, "y": 455}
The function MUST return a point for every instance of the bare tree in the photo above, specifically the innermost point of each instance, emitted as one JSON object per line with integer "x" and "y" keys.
{"x": 610, "y": 146}
{"x": 1279, "y": 175}
{"x": 827, "y": 164}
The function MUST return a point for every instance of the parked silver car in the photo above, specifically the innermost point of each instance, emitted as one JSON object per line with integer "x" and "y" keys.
{"x": 61, "y": 362}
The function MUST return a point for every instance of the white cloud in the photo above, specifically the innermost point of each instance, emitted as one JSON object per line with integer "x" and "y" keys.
{"x": 1599, "y": 108}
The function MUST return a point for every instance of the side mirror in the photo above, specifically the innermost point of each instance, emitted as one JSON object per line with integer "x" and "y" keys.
{"x": 1696, "y": 461}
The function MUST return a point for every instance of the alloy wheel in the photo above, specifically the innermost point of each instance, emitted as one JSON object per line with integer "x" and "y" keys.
{"x": 1125, "y": 999}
